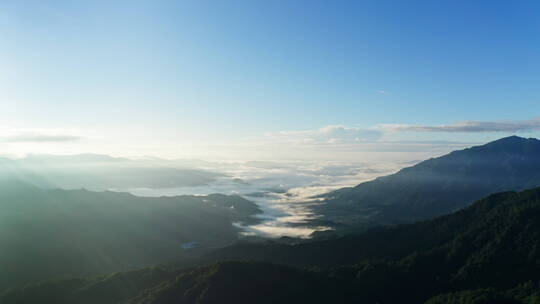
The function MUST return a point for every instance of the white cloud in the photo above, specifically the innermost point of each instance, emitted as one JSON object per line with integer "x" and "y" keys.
{"x": 283, "y": 189}
{"x": 21, "y": 135}
{"x": 383, "y": 92}
{"x": 40, "y": 138}
{"x": 327, "y": 135}
{"x": 468, "y": 126}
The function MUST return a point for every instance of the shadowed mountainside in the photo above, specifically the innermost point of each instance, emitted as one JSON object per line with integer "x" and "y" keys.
{"x": 439, "y": 185}
{"x": 486, "y": 253}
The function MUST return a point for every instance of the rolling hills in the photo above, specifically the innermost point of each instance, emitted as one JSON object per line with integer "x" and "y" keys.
{"x": 485, "y": 253}
{"x": 102, "y": 172}
{"x": 54, "y": 233}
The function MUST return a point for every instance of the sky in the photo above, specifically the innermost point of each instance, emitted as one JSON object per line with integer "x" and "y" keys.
{"x": 253, "y": 79}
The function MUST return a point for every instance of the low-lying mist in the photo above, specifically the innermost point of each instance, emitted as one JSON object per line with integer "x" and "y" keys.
{"x": 284, "y": 190}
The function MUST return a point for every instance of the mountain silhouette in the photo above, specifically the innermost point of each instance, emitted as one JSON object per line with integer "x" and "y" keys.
{"x": 485, "y": 253}
{"x": 438, "y": 185}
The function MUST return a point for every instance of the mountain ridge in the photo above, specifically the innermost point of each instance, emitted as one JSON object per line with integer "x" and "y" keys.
{"x": 486, "y": 253}
{"x": 439, "y": 185}
{"x": 54, "y": 232}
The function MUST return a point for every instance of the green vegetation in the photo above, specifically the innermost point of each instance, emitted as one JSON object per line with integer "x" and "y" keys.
{"x": 231, "y": 282}
{"x": 486, "y": 253}
{"x": 437, "y": 186}
{"x": 54, "y": 233}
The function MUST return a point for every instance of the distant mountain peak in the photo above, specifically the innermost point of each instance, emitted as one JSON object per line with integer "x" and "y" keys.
{"x": 439, "y": 185}
{"x": 514, "y": 139}
{"x": 511, "y": 144}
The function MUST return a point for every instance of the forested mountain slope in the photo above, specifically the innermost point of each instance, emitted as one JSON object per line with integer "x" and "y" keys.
{"x": 486, "y": 253}
{"x": 439, "y": 185}
{"x": 49, "y": 233}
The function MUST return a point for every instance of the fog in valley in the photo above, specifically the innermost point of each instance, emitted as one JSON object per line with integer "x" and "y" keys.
{"x": 284, "y": 190}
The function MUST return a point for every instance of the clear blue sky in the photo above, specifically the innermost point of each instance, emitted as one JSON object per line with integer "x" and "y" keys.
{"x": 216, "y": 71}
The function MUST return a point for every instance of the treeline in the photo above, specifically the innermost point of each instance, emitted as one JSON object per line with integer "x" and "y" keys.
{"x": 487, "y": 253}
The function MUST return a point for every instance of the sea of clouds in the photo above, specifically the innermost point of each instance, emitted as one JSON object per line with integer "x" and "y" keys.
{"x": 284, "y": 190}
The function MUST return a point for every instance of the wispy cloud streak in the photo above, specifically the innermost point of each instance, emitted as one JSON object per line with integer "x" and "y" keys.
{"x": 39, "y": 138}
{"x": 328, "y": 134}
{"x": 468, "y": 127}
{"x": 38, "y": 135}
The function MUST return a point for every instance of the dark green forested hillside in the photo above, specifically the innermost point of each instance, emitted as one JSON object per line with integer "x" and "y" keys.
{"x": 47, "y": 233}
{"x": 486, "y": 253}
{"x": 230, "y": 282}
{"x": 438, "y": 186}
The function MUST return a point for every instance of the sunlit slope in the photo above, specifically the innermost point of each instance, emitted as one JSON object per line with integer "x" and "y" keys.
{"x": 486, "y": 253}
{"x": 46, "y": 233}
